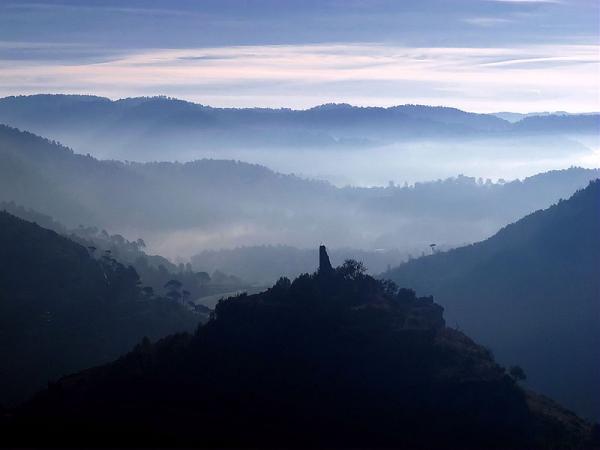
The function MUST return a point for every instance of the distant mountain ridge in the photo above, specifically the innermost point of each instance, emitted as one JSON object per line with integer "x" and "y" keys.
{"x": 532, "y": 294}
{"x": 57, "y": 108}
{"x": 337, "y": 114}
{"x": 515, "y": 117}
{"x": 151, "y": 128}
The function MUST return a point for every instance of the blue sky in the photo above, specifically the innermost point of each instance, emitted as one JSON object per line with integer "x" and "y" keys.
{"x": 481, "y": 55}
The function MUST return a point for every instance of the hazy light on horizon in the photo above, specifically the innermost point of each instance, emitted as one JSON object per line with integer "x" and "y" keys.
{"x": 478, "y": 55}
{"x": 520, "y": 79}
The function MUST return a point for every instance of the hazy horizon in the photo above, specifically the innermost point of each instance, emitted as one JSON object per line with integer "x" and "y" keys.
{"x": 325, "y": 103}
{"x": 477, "y": 55}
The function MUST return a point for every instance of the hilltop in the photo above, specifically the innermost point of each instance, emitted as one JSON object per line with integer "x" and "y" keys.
{"x": 335, "y": 358}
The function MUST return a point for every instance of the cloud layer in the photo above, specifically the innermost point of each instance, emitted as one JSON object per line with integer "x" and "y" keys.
{"x": 543, "y": 77}
{"x": 482, "y": 55}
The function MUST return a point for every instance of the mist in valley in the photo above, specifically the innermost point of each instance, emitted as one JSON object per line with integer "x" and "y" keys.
{"x": 375, "y": 179}
{"x": 413, "y": 161}
{"x": 181, "y": 209}
{"x": 337, "y": 143}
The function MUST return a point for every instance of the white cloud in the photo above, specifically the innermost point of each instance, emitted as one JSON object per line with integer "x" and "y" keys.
{"x": 487, "y": 21}
{"x": 483, "y": 79}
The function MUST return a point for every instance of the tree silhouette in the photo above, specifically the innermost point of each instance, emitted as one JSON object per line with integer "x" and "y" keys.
{"x": 173, "y": 288}
{"x": 352, "y": 269}
{"x": 517, "y": 373}
{"x": 173, "y": 285}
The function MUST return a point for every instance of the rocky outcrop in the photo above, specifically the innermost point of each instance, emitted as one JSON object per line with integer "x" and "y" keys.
{"x": 324, "y": 263}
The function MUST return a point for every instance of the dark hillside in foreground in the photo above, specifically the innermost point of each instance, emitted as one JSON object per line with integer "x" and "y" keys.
{"x": 532, "y": 294}
{"x": 63, "y": 309}
{"x": 334, "y": 359}
{"x": 154, "y": 270}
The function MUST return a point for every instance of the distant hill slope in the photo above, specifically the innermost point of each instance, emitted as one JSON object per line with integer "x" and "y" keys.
{"x": 531, "y": 293}
{"x": 63, "y": 310}
{"x": 560, "y": 123}
{"x": 76, "y": 189}
{"x": 43, "y": 113}
{"x": 335, "y": 359}
{"x": 513, "y": 117}
{"x": 149, "y": 128}
{"x": 209, "y": 204}
{"x": 137, "y": 118}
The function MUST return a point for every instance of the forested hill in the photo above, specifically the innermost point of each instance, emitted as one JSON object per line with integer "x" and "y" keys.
{"x": 532, "y": 294}
{"x": 139, "y": 127}
{"x": 64, "y": 308}
{"x": 334, "y": 359}
{"x": 155, "y": 271}
{"x": 84, "y": 110}
{"x": 218, "y": 203}
{"x": 75, "y": 189}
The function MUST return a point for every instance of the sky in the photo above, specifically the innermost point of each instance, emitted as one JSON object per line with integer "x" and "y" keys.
{"x": 478, "y": 55}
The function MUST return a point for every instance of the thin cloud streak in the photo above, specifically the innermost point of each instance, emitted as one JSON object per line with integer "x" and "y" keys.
{"x": 95, "y": 8}
{"x": 487, "y": 21}
{"x": 528, "y": 1}
{"x": 481, "y": 79}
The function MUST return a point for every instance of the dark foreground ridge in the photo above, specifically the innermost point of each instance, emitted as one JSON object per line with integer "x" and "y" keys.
{"x": 336, "y": 358}
{"x": 532, "y": 293}
{"x": 64, "y": 307}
